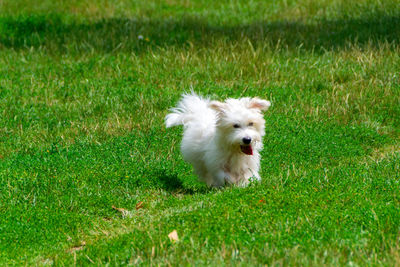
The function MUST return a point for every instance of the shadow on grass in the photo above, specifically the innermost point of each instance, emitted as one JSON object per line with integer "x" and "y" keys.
{"x": 122, "y": 34}
{"x": 172, "y": 184}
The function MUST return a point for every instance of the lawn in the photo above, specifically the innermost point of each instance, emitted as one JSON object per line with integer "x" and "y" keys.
{"x": 90, "y": 175}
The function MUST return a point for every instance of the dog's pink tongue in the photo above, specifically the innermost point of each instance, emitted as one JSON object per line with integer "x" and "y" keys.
{"x": 247, "y": 150}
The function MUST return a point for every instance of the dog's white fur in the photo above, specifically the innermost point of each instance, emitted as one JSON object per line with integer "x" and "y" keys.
{"x": 214, "y": 135}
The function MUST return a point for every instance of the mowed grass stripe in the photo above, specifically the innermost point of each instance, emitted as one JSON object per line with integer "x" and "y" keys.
{"x": 71, "y": 100}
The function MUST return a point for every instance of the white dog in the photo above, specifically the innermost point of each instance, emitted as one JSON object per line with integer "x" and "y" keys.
{"x": 221, "y": 140}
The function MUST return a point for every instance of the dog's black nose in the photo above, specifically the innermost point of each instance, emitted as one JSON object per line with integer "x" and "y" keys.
{"x": 246, "y": 140}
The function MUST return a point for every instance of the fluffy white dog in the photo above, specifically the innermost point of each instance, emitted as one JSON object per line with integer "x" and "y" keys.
{"x": 221, "y": 140}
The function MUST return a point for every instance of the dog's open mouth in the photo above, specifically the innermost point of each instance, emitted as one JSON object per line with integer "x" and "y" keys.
{"x": 248, "y": 150}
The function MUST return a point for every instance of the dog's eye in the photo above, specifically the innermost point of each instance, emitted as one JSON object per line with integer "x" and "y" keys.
{"x": 236, "y": 126}
{"x": 251, "y": 124}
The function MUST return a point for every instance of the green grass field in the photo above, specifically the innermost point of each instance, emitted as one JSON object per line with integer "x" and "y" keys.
{"x": 82, "y": 102}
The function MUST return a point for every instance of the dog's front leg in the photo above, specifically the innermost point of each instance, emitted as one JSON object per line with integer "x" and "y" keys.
{"x": 222, "y": 178}
{"x": 256, "y": 176}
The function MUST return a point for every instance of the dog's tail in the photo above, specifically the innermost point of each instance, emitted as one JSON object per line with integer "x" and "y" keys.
{"x": 190, "y": 108}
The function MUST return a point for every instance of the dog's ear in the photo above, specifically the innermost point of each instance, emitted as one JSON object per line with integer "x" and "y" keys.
{"x": 217, "y": 106}
{"x": 260, "y": 104}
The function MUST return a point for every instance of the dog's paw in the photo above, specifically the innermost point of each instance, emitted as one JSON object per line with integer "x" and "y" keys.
{"x": 254, "y": 180}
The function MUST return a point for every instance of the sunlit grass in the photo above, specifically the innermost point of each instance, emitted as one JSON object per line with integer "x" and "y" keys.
{"x": 82, "y": 102}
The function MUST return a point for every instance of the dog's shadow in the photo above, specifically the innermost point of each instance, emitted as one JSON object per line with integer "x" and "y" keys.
{"x": 172, "y": 183}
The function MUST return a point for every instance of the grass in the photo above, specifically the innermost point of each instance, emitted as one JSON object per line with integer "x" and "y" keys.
{"x": 82, "y": 102}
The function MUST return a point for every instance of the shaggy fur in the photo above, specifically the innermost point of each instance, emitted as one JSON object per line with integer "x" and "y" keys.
{"x": 221, "y": 140}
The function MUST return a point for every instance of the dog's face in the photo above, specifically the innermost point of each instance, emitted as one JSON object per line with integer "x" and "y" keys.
{"x": 241, "y": 123}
